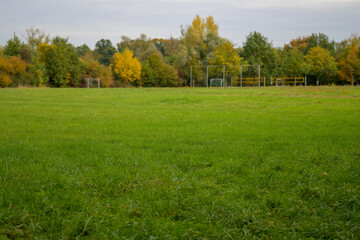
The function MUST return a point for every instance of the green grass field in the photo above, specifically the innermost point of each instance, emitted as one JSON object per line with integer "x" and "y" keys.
{"x": 180, "y": 163}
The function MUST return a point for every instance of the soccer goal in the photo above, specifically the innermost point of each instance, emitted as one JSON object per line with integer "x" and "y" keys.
{"x": 225, "y": 76}
{"x": 92, "y": 82}
{"x": 216, "y": 82}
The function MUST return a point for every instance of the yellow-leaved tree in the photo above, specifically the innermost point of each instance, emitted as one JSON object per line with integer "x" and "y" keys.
{"x": 11, "y": 67}
{"x": 350, "y": 65}
{"x": 226, "y": 54}
{"x": 126, "y": 68}
{"x": 205, "y": 25}
{"x": 321, "y": 64}
{"x": 211, "y": 26}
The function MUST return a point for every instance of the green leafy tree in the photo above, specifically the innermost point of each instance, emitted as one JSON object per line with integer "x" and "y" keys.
{"x": 82, "y": 50}
{"x": 148, "y": 75}
{"x": 156, "y": 73}
{"x": 320, "y": 40}
{"x": 104, "y": 50}
{"x": 258, "y": 50}
{"x": 61, "y": 62}
{"x": 293, "y": 63}
{"x": 13, "y": 46}
{"x": 31, "y": 55}
{"x": 321, "y": 64}
{"x": 142, "y": 47}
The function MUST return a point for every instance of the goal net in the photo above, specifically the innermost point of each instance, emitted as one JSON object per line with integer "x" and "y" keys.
{"x": 92, "y": 82}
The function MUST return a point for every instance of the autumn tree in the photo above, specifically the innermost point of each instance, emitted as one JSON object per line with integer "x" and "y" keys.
{"x": 299, "y": 43}
{"x": 142, "y": 47}
{"x": 91, "y": 68}
{"x": 321, "y": 64}
{"x": 225, "y": 54}
{"x": 35, "y": 36}
{"x": 350, "y": 65}
{"x": 126, "y": 68}
{"x": 167, "y": 47}
{"x": 205, "y": 25}
{"x": 12, "y": 68}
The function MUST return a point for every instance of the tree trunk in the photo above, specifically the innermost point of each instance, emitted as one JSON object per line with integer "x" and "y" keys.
{"x": 317, "y": 81}
{"x": 352, "y": 81}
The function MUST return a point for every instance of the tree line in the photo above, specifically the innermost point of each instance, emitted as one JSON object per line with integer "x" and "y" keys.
{"x": 54, "y": 62}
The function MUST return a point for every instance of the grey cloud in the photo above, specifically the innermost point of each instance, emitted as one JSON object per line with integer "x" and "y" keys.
{"x": 90, "y": 20}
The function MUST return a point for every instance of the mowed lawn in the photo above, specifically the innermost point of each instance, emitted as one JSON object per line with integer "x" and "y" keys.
{"x": 180, "y": 163}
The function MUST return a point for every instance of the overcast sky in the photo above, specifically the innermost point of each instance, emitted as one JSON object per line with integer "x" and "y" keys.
{"x": 87, "y": 21}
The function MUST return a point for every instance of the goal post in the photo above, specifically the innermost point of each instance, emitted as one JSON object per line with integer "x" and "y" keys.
{"x": 225, "y": 75}
{"x": 92, "y": 82}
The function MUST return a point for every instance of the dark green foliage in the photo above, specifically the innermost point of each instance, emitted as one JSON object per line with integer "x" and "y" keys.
{"x": 320, "y": 40}
{"x": 257, "y": 50}
{"x": 26, "y": 53}
{"x": 156, "y": 73}
{"x": 293, "y": 63}
{"x": 105, "y": 50}
{"x": 13, "y": 46}
{"x": 82, "y": 50}
{"x": 62, "y": 64}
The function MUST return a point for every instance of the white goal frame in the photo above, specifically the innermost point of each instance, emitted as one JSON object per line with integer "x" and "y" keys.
{"x": 87, "y": 81}
{"x": 192, "y": 82}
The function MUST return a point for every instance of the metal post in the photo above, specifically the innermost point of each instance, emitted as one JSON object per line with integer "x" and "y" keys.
{"x": 207, "y": 76}
{"x": 271, "y": 81}
{"x": 295, "y": 81}
{"x": 190, "y": 76}
{"x": 241, "y": 76}
{"x": 305, "y": 82}
{"x": 259, "y": 75}
{"x": 223, "y": 76}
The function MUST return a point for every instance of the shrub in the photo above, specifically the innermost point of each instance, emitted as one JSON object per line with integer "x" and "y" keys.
{"x": 5, "y": 80}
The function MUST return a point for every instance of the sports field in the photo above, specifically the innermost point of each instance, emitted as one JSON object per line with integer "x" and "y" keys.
{"x": 180, "y": 163}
